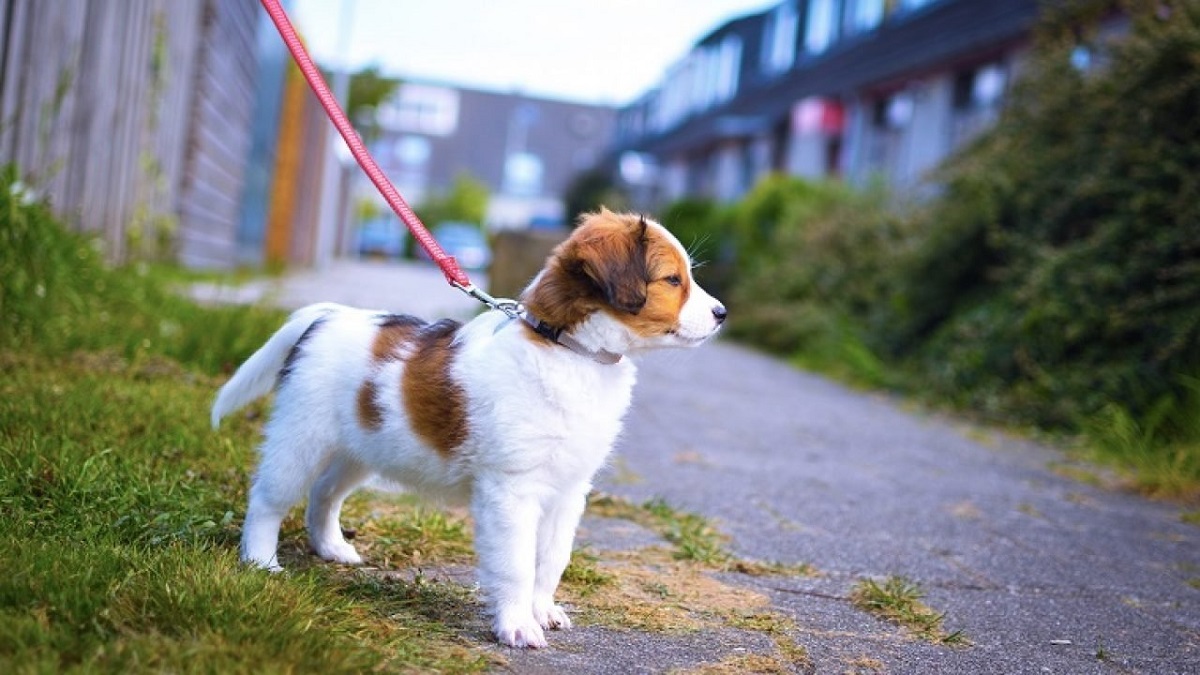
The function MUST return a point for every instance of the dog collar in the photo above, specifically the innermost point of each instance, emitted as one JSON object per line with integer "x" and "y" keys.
{"x": 557, "y": 336}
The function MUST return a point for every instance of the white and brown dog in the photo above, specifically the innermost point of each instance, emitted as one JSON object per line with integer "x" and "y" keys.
{"x": 514, "y": 416}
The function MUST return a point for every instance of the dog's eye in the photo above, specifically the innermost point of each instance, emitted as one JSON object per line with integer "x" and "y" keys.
{"x": 674, "y": 280}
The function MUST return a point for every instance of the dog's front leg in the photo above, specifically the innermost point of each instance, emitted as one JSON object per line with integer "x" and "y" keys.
{"x": 506, "y": 525}
{"x": 556, "y": 534}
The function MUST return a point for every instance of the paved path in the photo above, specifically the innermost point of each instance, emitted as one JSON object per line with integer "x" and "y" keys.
{"x": 1042, "y": 573}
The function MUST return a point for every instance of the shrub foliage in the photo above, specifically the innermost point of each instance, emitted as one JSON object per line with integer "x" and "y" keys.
{"x": 1063, "y": 268}
{"x": 1055, "y": 275}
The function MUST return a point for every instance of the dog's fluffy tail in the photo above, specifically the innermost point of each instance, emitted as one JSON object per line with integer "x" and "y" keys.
{"x": 261, "y": 371}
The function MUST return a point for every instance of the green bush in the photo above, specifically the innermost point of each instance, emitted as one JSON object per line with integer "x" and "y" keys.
{"x": 1063, "y": 270}
{"x": 1055, "y": 278}
{"x": 703, "y": 227}
{"x": 817, "y": 277}
{"x": 58, "y": 296}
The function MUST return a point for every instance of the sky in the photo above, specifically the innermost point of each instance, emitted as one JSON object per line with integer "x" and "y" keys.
{"x": 590, "y": 51}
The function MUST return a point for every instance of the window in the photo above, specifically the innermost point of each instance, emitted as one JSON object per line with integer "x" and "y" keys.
{"x": 821, "y": 27}
{"x": 863, "y": 16}
{"x": 980, "y": 89}
{"x": 779, "y": 43}
{"x": 728, "y": 62}
{"x": 523, "y": 173}
{"x": 978, "y": 96}
{"x": 412, "y": 151}
{"x": 704, "y": 78}
{"x": 421, "y": 109}
{"x": 894, "y": 112}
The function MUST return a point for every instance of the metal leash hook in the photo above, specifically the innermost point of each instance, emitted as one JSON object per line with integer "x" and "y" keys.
{"x": 510, "y": 307}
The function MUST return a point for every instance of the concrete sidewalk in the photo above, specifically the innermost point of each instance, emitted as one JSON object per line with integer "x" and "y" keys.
{"x": 1043, "y": 574}
{"x": 405, "y": 287}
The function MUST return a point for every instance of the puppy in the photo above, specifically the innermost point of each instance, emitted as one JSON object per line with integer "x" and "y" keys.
{"x": 513, "y": 415}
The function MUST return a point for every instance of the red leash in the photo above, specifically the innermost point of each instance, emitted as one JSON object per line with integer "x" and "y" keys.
{"x": 449, "y": 265}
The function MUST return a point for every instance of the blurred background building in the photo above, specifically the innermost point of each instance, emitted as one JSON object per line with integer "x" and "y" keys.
{"x": 525, "y": 150}
{"x": 850, "y": 89}
{"x": 180, "y": 129}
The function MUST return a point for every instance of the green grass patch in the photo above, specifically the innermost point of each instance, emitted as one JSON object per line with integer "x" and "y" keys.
{"x": 122, "y": 509}
{"x": 58, "y": 298}
{"x": 1159, "y": 451}
{"x": 693, "y": 537}
{"x": 584, "y": 576}
{"x": 119, "y": 543}
{"x": 401, "y": 530}
{"x": 899, "y": 601}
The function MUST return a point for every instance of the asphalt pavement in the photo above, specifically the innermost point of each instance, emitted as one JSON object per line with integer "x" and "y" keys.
{"x": 1041, "y": 572}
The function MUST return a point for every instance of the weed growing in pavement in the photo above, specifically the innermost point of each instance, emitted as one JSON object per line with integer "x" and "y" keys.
{"x": 583, "y": 575}
{"x": 694, "y": 537}
{"x": 674, "y": 590}
{"x": 899, "y": 601}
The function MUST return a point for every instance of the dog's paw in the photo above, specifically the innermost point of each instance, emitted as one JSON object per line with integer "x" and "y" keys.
{"x": 551, "y": 616}
{"x": 521, "y": 634}
{"x": 338, "y": 552}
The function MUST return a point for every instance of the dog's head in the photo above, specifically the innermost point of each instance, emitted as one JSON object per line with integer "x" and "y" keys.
{"x": 623, "y": 283}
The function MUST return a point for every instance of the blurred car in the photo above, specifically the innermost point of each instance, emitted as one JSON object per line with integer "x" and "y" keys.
{"x": 381, "y": 237}
{"x": 465, "y": 242}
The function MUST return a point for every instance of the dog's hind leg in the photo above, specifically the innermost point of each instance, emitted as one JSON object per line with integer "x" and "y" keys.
{"x": 337, "y": 481}
{"x": 283, "y": 476}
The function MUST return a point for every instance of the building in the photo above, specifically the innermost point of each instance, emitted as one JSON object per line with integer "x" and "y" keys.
{"x": 526, "y": 150}
{"x": 824, "y": 88}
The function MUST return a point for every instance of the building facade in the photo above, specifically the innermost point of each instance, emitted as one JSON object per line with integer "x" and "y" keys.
{"x": 854, "y": 89}
{"x": 526, "y": 150}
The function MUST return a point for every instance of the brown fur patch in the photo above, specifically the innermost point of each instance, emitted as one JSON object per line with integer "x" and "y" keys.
{"x": 370, "y": 415}
{"x": 395, "y": 331}
{"x": 603, "y": 265}
{"x": 664, "y": 299}
{"x": 436, "y": 405}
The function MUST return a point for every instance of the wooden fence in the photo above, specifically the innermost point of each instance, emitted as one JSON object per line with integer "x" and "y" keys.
{"x": 133, "y": 117}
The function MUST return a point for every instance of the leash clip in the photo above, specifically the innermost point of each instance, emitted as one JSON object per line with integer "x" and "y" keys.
{"x": 510, "y": 307}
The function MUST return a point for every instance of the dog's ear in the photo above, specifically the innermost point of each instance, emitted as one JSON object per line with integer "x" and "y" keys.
{"x": 615, "y": 263}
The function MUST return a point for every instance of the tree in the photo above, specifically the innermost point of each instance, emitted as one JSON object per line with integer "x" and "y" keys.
{"x": 368, "y": 89}
{"x": 466, "y": 201}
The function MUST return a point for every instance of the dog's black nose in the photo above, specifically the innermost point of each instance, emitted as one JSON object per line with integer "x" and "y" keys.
{"x": 719, "y": 313}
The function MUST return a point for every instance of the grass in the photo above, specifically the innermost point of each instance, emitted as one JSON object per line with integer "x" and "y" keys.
{"x": 400, "y": 530}
{"x": 694, "y": 538}
{"x": 584, "y": 577}
{"x": 1158, "y": 454}
{"x": 120, "y": 536}
{"x": 674, "y": 590}
{"x": 899, "y": 601}
{"x": 122, "y": 508}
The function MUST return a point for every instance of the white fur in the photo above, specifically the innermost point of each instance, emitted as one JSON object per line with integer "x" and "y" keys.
{"x": 541, "y": 421}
